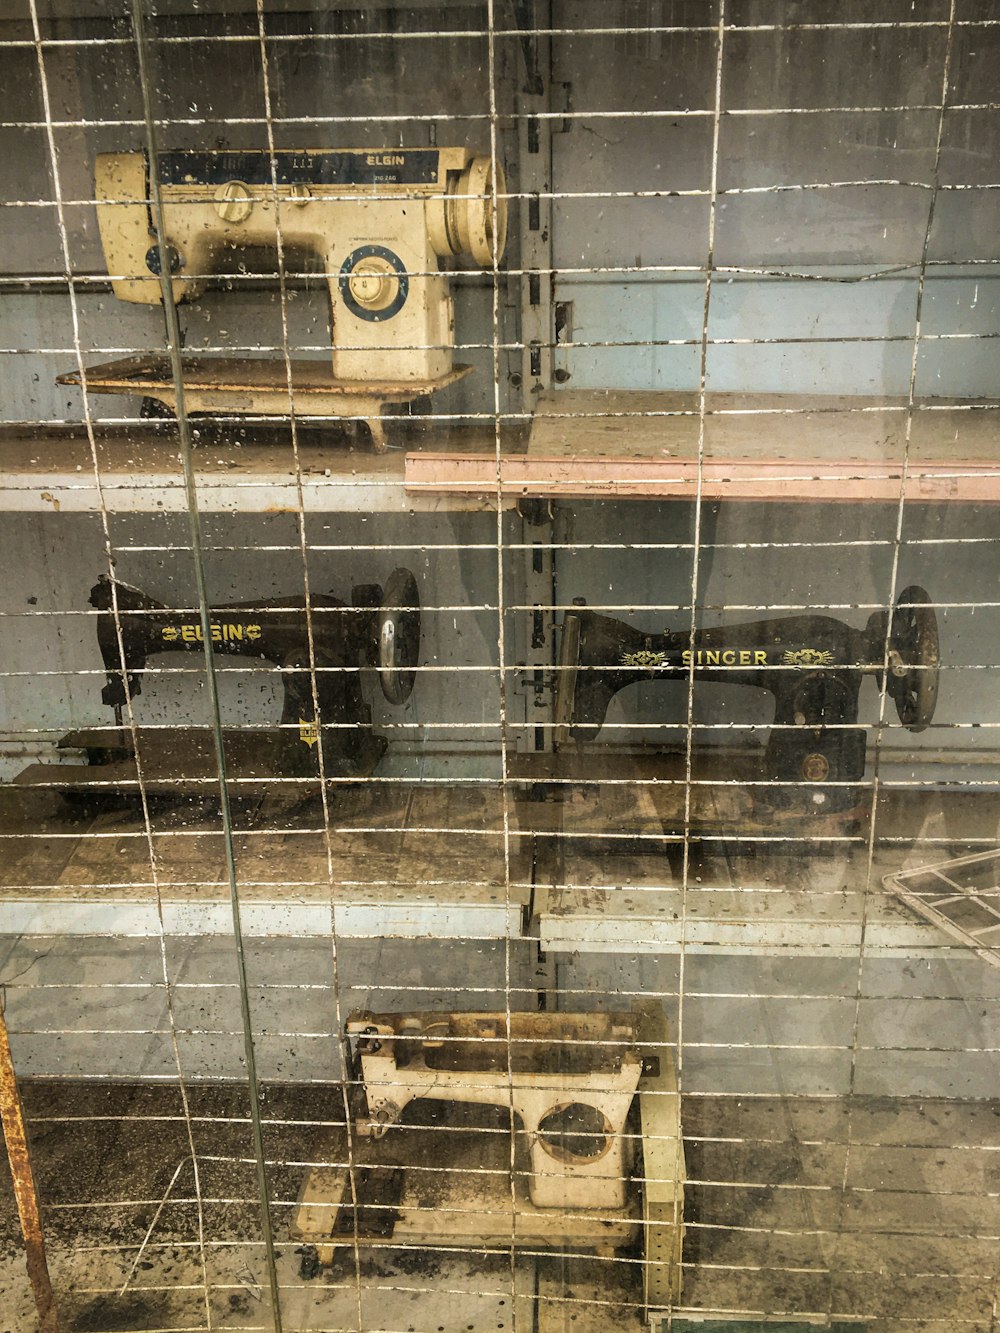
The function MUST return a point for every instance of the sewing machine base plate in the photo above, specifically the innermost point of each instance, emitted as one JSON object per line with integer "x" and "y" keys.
{"x": 445, "y": 1177}
{"x": 579, "y": 796}
{"x": 251, "y": 386}
{"x": 182, "y": 761}
{"x": 456, "y": 1191}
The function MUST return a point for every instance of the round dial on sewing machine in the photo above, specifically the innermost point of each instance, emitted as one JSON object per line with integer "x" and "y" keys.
{"x": 374, "y": 283}
{"x": 234, "y": 201}
{"x": 399, "y": 636}
{"x": 173, "y": 256}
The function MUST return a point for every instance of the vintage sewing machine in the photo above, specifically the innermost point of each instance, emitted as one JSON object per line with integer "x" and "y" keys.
{"x": 813, "y": 665}
{"x": 324, "y": 713}
{"x": 377, "y": 220}
{"x": 591, "y": 1102}
{"x": 579, "y": 1154}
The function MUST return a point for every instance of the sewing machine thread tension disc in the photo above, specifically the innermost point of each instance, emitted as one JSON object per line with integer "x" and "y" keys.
{"x": 914, "y": 654}
{"x": 399, "y": 636}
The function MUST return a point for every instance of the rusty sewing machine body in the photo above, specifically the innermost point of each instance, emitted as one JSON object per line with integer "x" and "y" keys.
{"x": 569, "y": 1080}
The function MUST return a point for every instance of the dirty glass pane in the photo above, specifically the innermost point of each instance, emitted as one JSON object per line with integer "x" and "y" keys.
{"x": 498, "y": 796}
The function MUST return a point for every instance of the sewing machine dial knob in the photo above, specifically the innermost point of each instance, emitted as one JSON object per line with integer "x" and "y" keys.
{"x": 154, "y": 259}
{"x": 374, "y": 283}
{"x": 233, "y": 201}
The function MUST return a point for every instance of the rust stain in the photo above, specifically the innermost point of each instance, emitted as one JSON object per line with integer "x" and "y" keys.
{"x": 56, "y": 504}
{"x": 12, "y": 1117}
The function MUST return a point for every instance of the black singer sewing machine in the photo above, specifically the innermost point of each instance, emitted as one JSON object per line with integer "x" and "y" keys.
{"x": 325, "y": 728}
{"x": 812, "y": 664}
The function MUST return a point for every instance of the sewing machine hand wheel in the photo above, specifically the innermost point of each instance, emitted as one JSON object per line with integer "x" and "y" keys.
{"x": 398, "y": 636}
{"x": 913, "y": 658}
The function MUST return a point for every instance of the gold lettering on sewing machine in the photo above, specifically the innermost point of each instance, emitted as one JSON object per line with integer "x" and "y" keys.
{"x": 308, "y": 731}
{"x": 702, "y": 657}
{"x": 724, "y": 657}
{"x": 221, "y": 633}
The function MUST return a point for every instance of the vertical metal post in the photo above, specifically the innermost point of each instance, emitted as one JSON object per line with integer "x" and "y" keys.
{"x": 186, "y": 452}
{"x": 12, "y": 1117}
{"x": 535, "y": 627}
{"x": 534, "y": 135}
{"x": 534, "y": 636}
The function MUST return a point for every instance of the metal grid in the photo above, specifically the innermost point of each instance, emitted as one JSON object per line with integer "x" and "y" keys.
{"x": 960, "y": 897}
{"x": 708, "y": 203}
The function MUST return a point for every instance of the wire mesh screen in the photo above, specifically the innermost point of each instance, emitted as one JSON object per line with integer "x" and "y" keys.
{"x": 500, "y": 594}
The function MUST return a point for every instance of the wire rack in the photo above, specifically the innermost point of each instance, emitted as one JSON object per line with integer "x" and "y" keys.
{"x": 500, "y": 567}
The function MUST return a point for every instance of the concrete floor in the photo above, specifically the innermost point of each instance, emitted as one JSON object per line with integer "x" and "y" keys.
{"x": 885, "y": 1211}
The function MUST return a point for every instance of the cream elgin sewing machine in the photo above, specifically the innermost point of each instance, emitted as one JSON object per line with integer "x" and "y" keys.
{"x": 378, "y": 221}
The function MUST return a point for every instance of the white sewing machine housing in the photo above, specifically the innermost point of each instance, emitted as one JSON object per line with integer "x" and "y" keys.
{"x": 379, "y": 220}
{"x": 570, "y": 1080}
{"x": 592, "y": 1158}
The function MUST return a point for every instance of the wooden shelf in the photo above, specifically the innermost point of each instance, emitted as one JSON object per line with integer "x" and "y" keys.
{"x": 386, "y": 870}
{"x": 746, "y": 886}
{"x": 392, "y": 872}
{"x": 581, "y": 444}
{"x": 756, "y": 917}
{"x": 641, "y": 445}
{"x": 239, "y": 469}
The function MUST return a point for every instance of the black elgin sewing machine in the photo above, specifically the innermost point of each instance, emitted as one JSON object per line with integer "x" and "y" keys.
{"x": 812, "y": 664}
{"x": 325, "y": 728}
